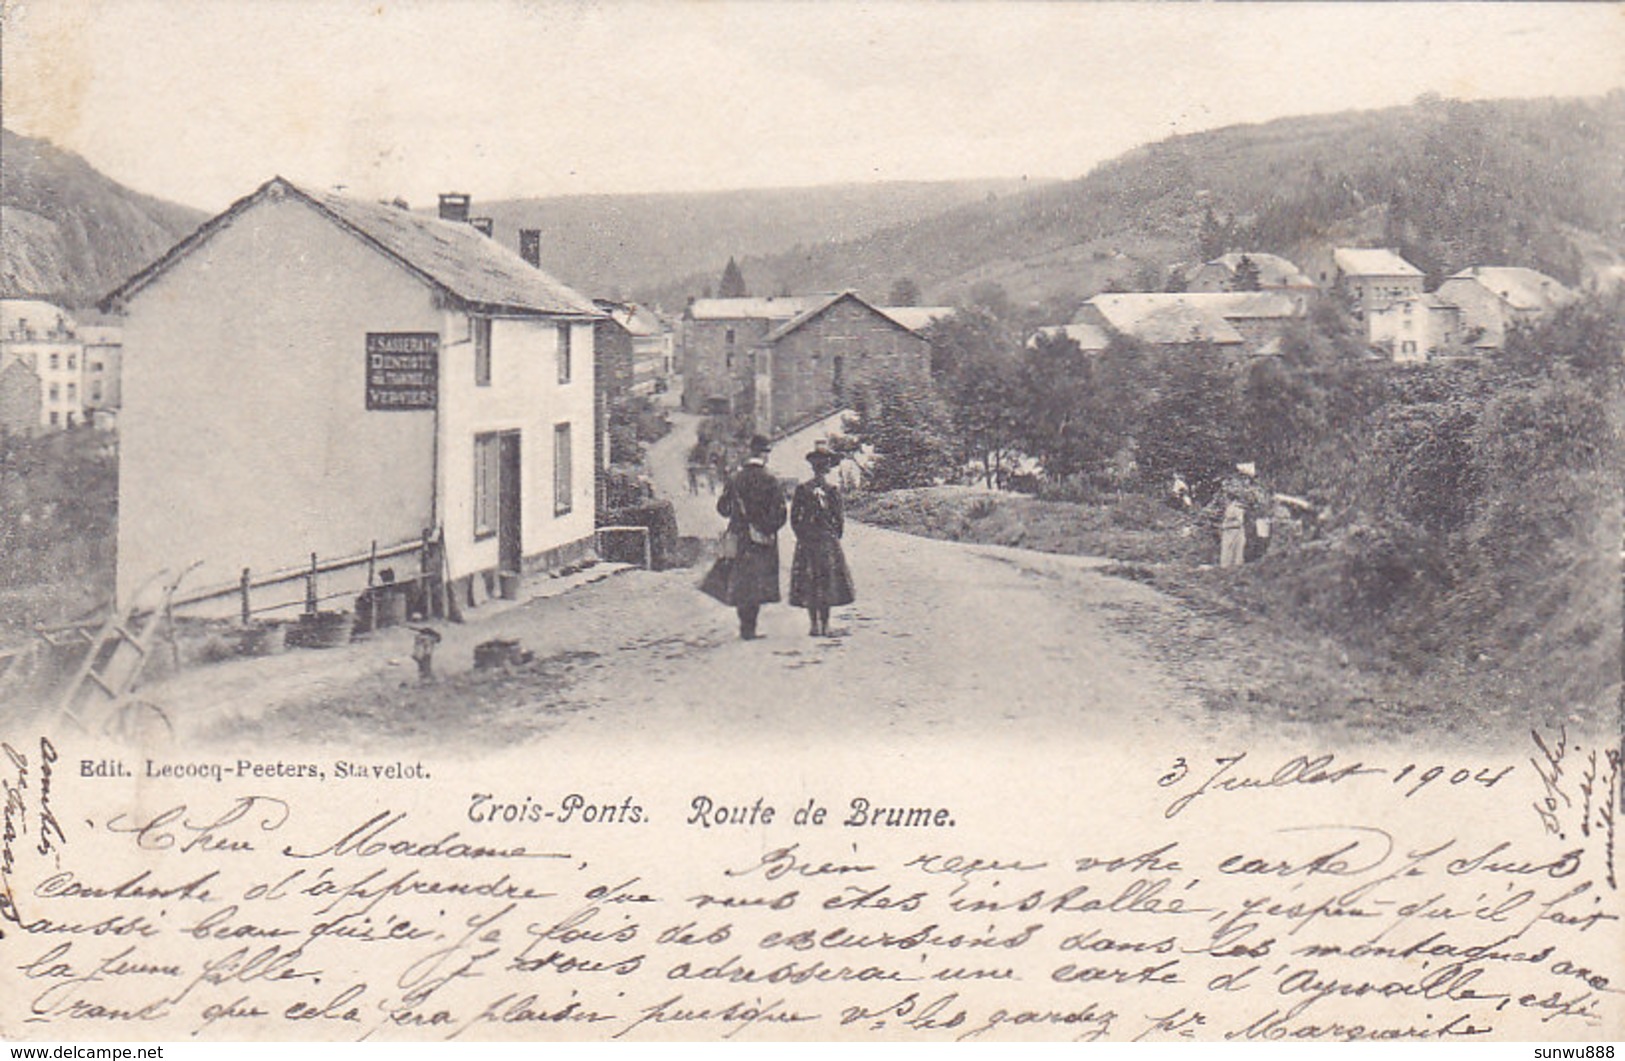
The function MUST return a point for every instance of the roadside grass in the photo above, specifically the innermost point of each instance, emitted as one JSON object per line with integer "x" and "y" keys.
{"x": 1278, "y": 638}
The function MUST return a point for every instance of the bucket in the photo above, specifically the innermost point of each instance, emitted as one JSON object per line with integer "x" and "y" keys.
{"x": 390, "y": 608}
{"x": 510, "y": 585}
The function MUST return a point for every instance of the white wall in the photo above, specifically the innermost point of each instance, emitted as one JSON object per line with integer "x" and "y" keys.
{"x": 525, "y": 395}
{"x": 245, "y": 438}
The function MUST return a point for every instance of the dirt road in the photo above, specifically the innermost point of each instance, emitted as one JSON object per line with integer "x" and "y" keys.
{"x": 946, "y": 642}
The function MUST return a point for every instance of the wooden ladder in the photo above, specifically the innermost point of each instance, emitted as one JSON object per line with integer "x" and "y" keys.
{"x": 118, "y": 653}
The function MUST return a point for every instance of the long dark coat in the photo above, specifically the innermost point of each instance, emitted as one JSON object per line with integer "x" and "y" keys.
{"x": 752, "y": 498}
{"x": 819, "y": 577}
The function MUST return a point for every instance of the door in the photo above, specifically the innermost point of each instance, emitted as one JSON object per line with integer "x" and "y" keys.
{"x": 510, "y": 540}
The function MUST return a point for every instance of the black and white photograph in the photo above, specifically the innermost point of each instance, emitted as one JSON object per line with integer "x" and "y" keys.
{"x": 893, "y": 521}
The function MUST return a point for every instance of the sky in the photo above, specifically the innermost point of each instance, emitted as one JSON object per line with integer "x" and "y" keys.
{"x": 200, "y": 102}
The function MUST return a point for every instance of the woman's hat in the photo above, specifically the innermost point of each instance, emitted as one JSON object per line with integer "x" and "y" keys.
{"x": 759, "y": 445}
{"x": 822, "y": 457}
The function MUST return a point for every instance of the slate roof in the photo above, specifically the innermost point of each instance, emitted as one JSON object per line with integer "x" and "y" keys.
{"x": 916, "y": 318}
{"x": 1372, "y": 261}
{"x": 1155, "y": 317}
{"x": 768, "y": 308}
{"x": 1273, "y": 270}
{"x": 633, "y": 318}
{"x": 1524, "y": 289}
{"x": 454, "y": 257}
{"x": 817, "y": 309}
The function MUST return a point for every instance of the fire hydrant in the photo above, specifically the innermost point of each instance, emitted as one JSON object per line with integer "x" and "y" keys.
{"x": 423, "y": 651}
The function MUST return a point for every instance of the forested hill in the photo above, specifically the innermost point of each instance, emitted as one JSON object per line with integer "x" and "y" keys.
{"x": 609, "y": 245}
{"x": 1527, "y": 182}
{"x": 68, "y": 232}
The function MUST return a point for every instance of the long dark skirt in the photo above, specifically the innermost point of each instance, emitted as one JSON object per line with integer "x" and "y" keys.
{"x": 819, "y": 577}
{"x": 752, "y": 577}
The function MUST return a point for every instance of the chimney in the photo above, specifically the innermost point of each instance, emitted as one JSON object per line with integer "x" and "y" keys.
{"x": 454, "y": 206}
{"x": 530, "y": 246}
{"x": 483, "y": 224}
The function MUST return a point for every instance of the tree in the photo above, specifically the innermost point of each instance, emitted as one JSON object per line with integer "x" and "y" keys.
{"x": 1212, "y": 235}
{"x": 1247, "y": 277}
{"x": 977, "y": 364}
{"x": 1189, "y": 427}
{"x": 1061, "y": 425}
{"x": 904, "y": 292}
{"x": 903, "y": 421}
{"x": 991, "y": 297}
{"x": 732, "y": 284}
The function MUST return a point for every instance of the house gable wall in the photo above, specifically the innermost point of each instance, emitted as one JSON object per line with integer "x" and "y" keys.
{"x": 868, "y": 344}
{"x": 706, "y": 372}
{"x": 245, "y": 438}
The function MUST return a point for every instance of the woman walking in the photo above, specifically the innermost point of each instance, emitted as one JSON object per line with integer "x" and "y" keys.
{"x": 819, "y": 578}
{"x": 754, "y": 506}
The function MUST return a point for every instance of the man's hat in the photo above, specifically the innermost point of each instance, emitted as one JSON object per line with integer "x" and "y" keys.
{"x": 759, "y": 445}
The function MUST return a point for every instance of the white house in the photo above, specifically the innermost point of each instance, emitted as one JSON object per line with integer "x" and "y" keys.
{"x": 309, "y": 374}
{"x": 1493, "y": 298}
{"x": 1372, "y": 277}
{"x": 41, "y": 342}
{"x": 1414, "y": 328}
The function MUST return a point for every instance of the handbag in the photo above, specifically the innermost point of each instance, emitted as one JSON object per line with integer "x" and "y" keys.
{"x": 727, "y": 545}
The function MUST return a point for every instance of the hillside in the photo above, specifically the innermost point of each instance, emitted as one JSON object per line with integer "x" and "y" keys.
{"x": 631, "y": 244}
{"x": 1506, "y": 182}
{"x": 69, "y": 233}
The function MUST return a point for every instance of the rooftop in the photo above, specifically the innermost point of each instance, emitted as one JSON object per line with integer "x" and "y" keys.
{"x": 1168, "y": 318}
{"x": 770, "y": 307}
{"x": 1522, "y": 288}
{"x": 916, "y": 318}
{"x": 1273, "y": 270}
{"x": 1373, "y": 261}
{"x": 453, "y": 256}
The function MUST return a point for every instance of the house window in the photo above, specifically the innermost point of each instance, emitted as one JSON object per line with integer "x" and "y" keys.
{"x": 56, "y": 392}
{"x": 95, "y": 366}
{"x": 564, "y": 353}
{"x": 562, "y": 500}
{"x": 487, "y": 478}
{"x": 71, "y": 420}
{"x": 482, "y": 351}
{"x": 838, "y": 377}
{"x": 1408, "y": 346}
{"x": 56, "y": 360}
{"x": 73, "y": 392}
{"x": 71, "y": 362}
{"x": 55, "y": 418}
{"x": 96, "y": 390}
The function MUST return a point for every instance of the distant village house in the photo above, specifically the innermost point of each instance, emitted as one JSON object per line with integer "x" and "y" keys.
{"x": 1269, "y": 272}
{"x": 1242, "y": 323}
{"x": 781, "y": 362}
{"x": 1492, "y": 299}
{"x": 54, "y": 374}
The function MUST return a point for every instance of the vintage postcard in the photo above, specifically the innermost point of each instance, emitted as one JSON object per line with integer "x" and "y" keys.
{"x": 898, "y": 522}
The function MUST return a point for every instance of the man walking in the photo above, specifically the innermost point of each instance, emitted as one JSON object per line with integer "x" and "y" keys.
{"x": 754, "y": 506}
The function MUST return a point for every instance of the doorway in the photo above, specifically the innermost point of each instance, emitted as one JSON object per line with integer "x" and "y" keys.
{"x": 510, "y": 538}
